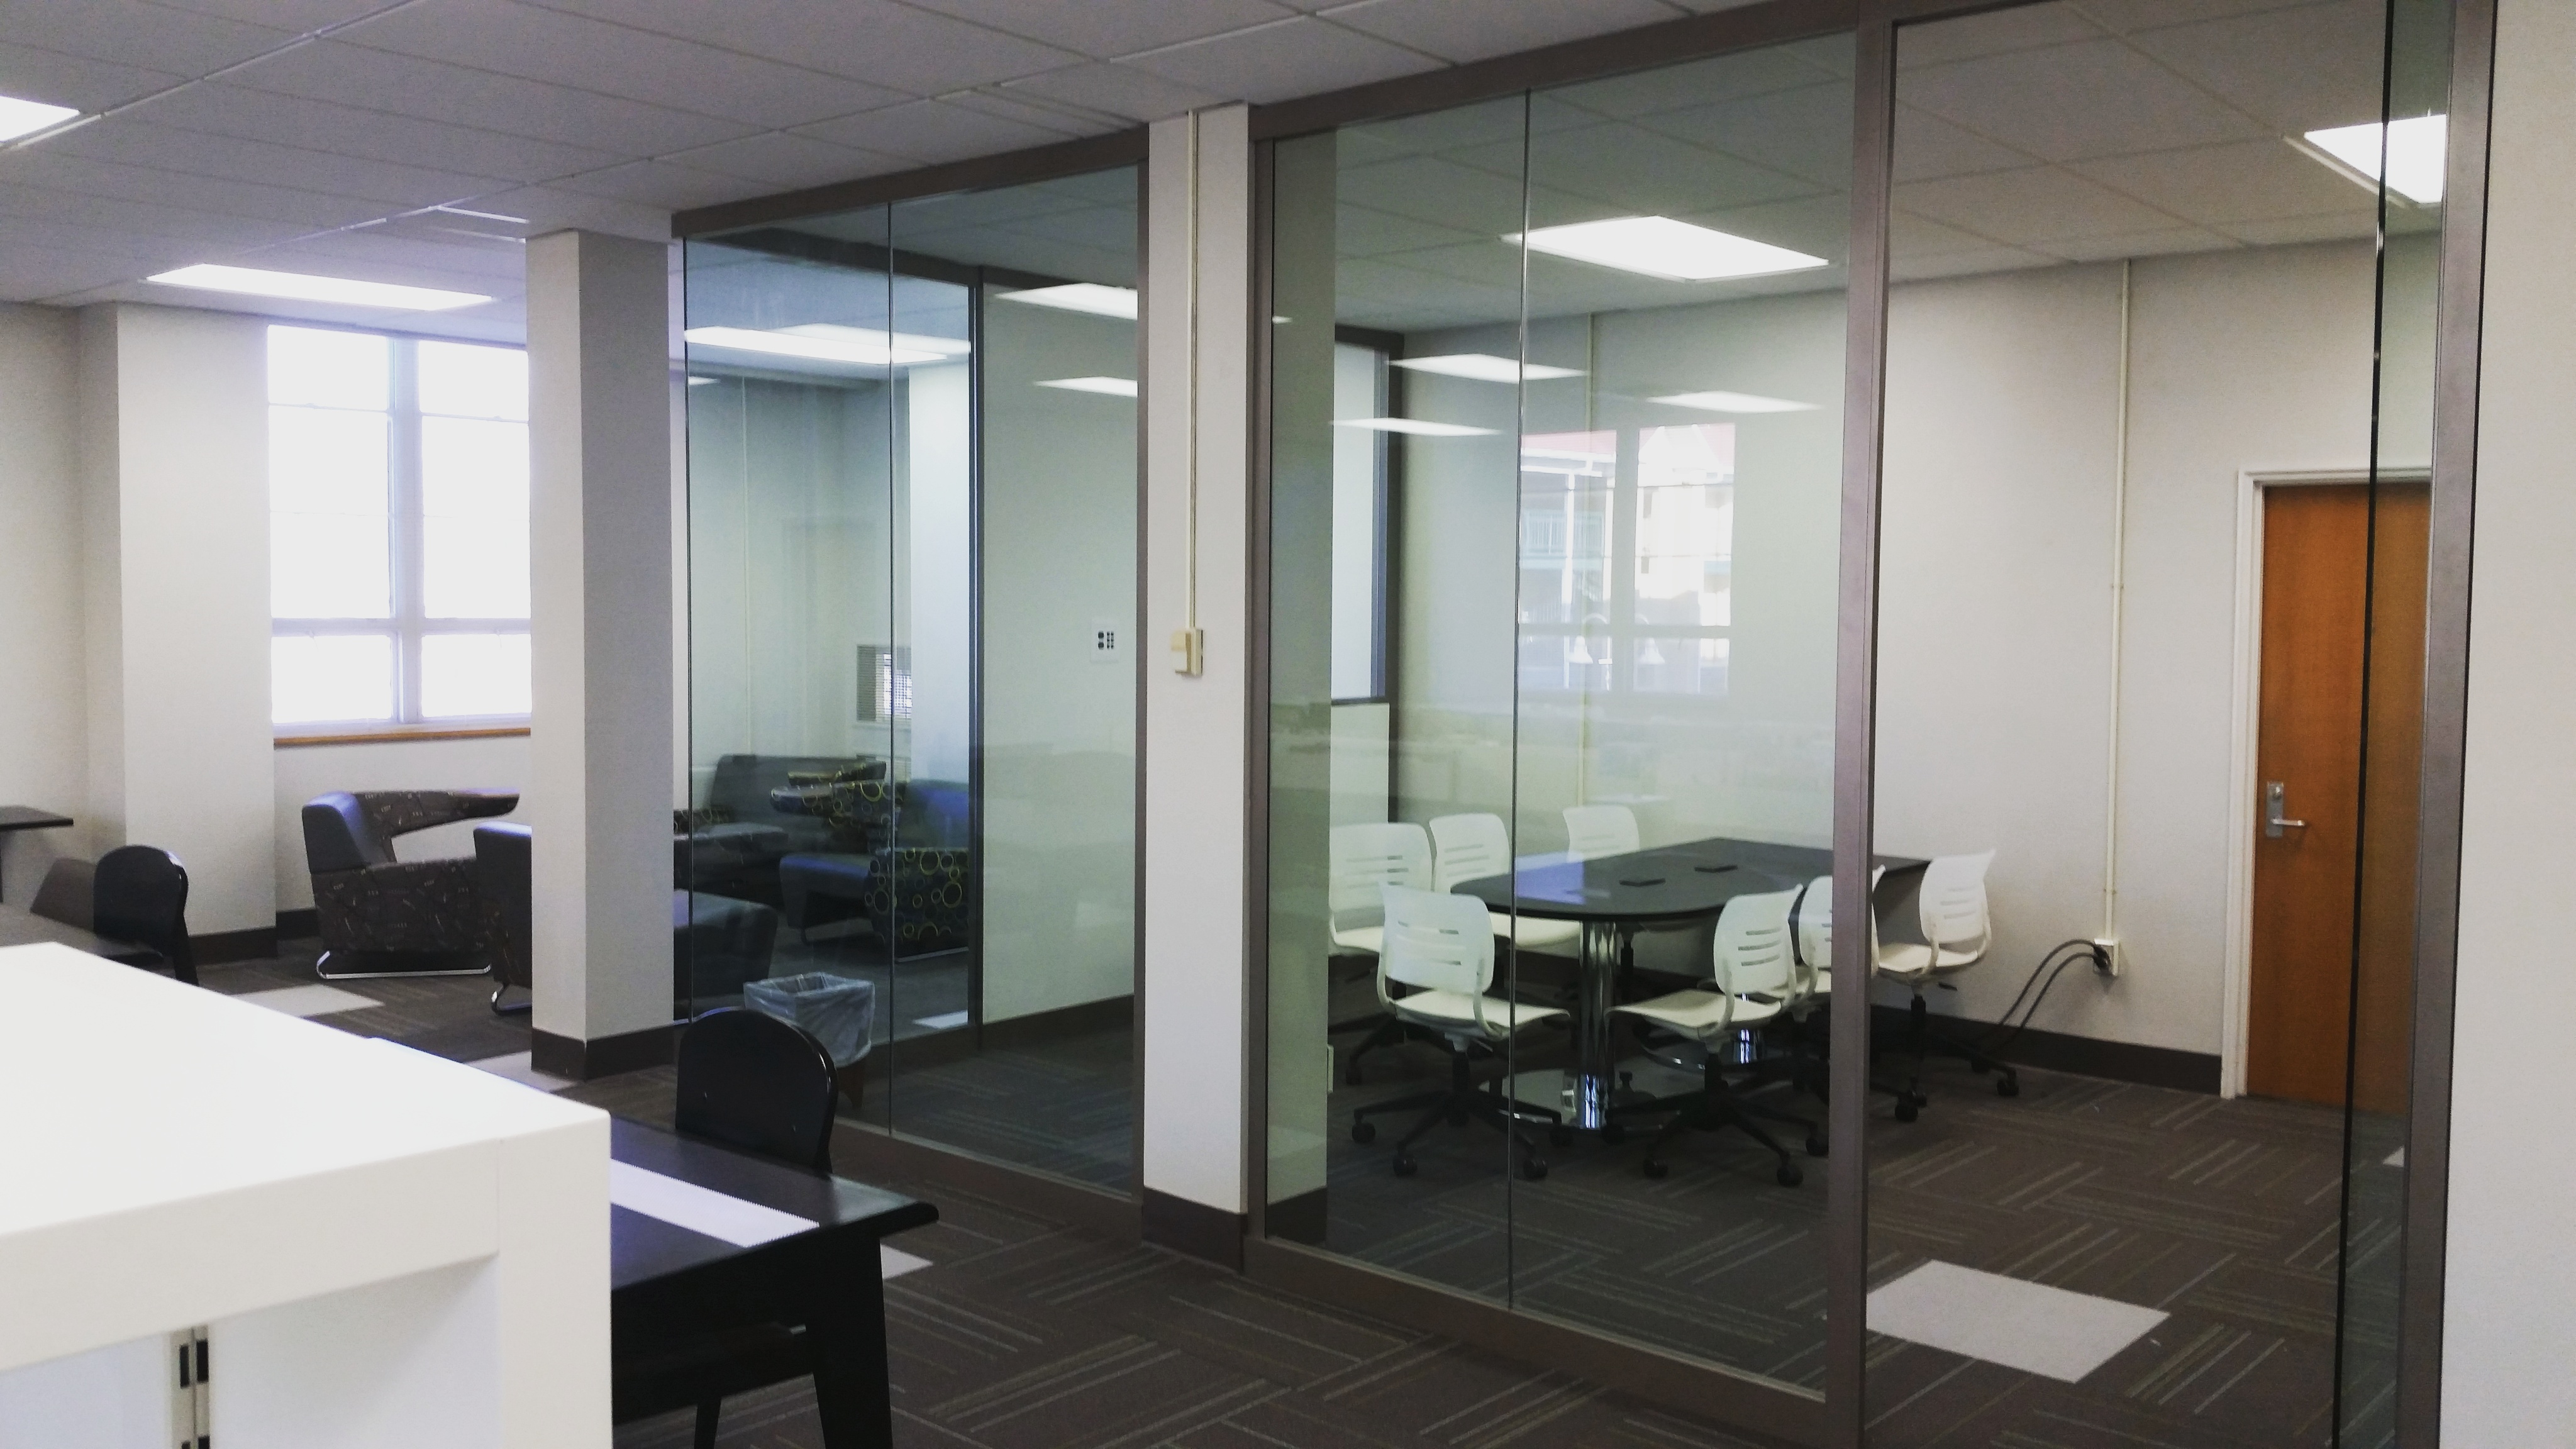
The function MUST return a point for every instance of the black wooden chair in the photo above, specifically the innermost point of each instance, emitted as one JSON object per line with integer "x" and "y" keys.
{"x": 139, "y": 893}
{"x": 762, "y": 1086}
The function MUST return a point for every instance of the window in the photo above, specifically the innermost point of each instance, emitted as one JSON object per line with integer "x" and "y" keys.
{"x": 398, "y": 530}
{"x": 1626, "y": 583}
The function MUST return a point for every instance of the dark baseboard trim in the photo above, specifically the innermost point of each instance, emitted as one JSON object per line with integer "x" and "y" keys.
{"x": 223, "y": 946}
{"x": 294, "y": 924}
{"x": 1652, "y": 1374}
{"x": 1194, "y": 1228}
{"x": 1300, "y": 1219}
{"x": 861, "y": 1149}
{"x": 938, "y": 1048}
{"x": 607, "y": 1056}
{"x": 2057, "y": 1051}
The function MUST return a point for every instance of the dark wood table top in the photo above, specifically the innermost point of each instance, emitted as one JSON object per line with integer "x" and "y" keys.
{"x": 21, "y": 927}
{"x": 645, "y": 1250}
{"x": 28, "y": 817}
{"x": 1664, "y": 884}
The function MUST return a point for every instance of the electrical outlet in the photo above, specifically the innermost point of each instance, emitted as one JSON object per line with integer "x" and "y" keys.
{"x": 2111, "y": 962}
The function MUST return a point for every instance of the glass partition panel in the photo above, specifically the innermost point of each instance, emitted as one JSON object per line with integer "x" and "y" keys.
{"x": 913, "y": 582}
{"x": 2126, "y": 633}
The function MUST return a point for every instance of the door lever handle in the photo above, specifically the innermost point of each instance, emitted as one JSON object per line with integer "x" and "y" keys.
{"x": 2276, "y": 800}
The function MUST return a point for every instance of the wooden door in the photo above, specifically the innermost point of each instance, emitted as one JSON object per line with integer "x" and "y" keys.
{"x": 2357, "y": 842}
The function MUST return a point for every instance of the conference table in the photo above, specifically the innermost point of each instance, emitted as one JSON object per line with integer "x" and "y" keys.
{"x": 1613, "y": 897}
{"x": 22, "y": 927}
{"x": 703, "y": 1239}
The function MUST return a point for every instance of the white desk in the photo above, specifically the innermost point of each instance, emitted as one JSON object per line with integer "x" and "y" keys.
{"x": 388, "y": 1249}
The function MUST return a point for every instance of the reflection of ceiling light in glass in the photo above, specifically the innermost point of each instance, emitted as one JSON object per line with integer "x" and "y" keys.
{"x": 1659, "y": 246}
{"x": 855, "y": 346}
{"x": 1734, "y": 402}
{"x": 305, "y": 287}
{"x": 25, "y": 118}
{"x": 1485, "y": 367}
{"x": 1416, "y": 426}
{"x": 1080, "y": 297}
{"x": 700, "y": 381}
{"x": 2415, "y": 152}
{"x": 1110, "y": 386}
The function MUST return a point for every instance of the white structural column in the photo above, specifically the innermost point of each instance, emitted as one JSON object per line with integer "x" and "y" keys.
{"x": 1196, "y": 765}
{"x": 599, "y": 768}
{"x": 2510, "y": 1270}
{"x": 174, "y": 462}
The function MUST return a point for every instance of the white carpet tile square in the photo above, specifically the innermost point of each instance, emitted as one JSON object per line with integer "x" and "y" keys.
{"x": 895, "y": 1262}
{"x": 316, "y": 1000}
{"x": 2028, "y": 1326}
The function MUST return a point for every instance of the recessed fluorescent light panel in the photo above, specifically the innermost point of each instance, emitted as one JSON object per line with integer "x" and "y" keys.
{"x": 2414, "y": 152}
{"x": 25, "y": 118}
{"x": 1107, "y": 386}
{"x": 304, "y": 287}
{"x": 1734, "y": 402}
{"x": 1658, "y": 246}
{"x": 1418, "y": 427}
{"x": 830, "y": 342}
{"x": 1485, "y": 367}
{"x": 1089, "y": 297}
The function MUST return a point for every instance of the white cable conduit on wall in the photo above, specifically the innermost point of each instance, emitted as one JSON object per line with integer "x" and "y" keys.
{"x": 2119, "y": 563}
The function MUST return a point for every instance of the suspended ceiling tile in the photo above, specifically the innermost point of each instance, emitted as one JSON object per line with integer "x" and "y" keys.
{"x": 90, "y": 85}
{"x": 301, "y": 16}
{"x": 2098, "y": 98}
{"x": 2291, "y": 230}
{"x": 552, "y": 208}
{"x": 1909, "y": 235}
{"x": 1818, "y": 225}
{"x": 1464, "y": 30}
{"x": 780, "y": 159}
{"x": 421, "y": 254}
{"x": 1283, "y": 60}
{"x": 32, "y": 273}
{"x": 1928, "y": 148}
{"x": 373, "y": 135}
{"x": 660, "y": 184}
{"x": 2164, "y": 241}
{"x": 130, "y": 32}
{"x": 1361, "y": 231}
{"x": 1486, "y": 135}
{"x": 2036, "y": 206}
{"x": 435, "y": 90}
{"x": 138, "y": 143}
{"x": 36, "y": 205}
{"x": 1117, "y": 90}
{"x": 2219, "y": 185}
{"x": 2298, "y": 70}
{"x": 1720, "y": 78}
{"x": 617, "y": 60}
{"x": 1966, "y": 264}
{"x": 925, "y": 132}
{"x": 1638, "y": 172}
{"x": 877, "y": 41}
{"x": 2135, "y": 15}
{"x": 1992, "y": 33}
{"x": 1438, "y": 191}
{"x": 42, "y": 166}
{"x": 1108, "y": 28}
{"x": 1805, "y": 133}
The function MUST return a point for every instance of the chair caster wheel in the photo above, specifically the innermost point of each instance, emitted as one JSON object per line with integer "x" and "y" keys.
{"x": 1815, "y": 1145}
{"x": 1788, "y": 1175}
{"x": 1613, "y": 1133}
{"x": 1905, "y": 1109}
{"x": 1560, "y": 1135}
{"x": 1534, "y": 1169}
{"x": 1364, "y": 1132}
{"x": 1404, "y": 1166}
{"x": 1656, "y": 1170}
{"x": 2007, "y": 1087}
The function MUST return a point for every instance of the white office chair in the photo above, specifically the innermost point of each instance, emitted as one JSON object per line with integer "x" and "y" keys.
{"x": 1753, "y": 979}
{"x": 1473, "y": 847}
{"x": 1814, "y": 922}
{"x": 1957, "y": 930}
{"x": 1359, "y": 860}
{"x": 1441, "y": 948}
{"x": 1593, "y": 831}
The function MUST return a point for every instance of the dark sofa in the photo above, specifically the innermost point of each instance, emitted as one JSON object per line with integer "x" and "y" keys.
{"x": 910, "y": 884}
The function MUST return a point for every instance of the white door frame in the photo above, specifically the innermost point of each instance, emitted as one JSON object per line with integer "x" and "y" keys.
{"x": 2246, "y": 718}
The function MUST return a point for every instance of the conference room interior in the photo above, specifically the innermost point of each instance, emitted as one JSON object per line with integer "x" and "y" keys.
{"x": 2150, "y": 537}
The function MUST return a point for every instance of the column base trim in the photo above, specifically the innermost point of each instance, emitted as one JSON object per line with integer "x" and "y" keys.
{"x": 607, "y": 1056}
{"x": 1195, "y": 1229}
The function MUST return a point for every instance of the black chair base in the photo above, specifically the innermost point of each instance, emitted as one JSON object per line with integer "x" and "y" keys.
{"x": 1716, "y": 1107}
{"x": 1923, "y": 1042}
{"x": 376, "y": 965}
{"x": 520, "y": 1008}
{"x": 1462, "y": 1102}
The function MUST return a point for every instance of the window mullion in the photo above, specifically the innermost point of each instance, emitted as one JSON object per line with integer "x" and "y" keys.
{"x": 408, "y": 528}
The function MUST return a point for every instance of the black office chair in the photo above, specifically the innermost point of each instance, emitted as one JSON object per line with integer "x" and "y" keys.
{"x": 140, "y": 894}
{"x": 758, "y": 1085}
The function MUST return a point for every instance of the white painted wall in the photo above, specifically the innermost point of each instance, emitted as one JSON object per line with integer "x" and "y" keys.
{"x": 175, "y": 467}
{"x": 498, "y": 762}
{"x": 2509, "y": 1322}
{"x": 44, "y": 743}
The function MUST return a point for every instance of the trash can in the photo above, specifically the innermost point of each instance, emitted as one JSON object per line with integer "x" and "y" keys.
{"x": 839, "y": 1011}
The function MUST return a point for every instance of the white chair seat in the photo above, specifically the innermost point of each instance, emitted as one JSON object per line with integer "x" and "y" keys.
{"x": 1914, "y": 961}
{"x": 1371, "y": 939}
{"x": 1533, "y": 934}
{"x": 1449, "y": 1009}
{"x": 1698, "y": 1013}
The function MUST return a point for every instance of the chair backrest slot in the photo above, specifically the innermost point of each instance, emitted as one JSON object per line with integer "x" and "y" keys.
{"x": 1436, "y": 941}
{"x": 1468, "y": 847}
{"x": 1749, "y": 952}
{"x": 1365, "y": 857}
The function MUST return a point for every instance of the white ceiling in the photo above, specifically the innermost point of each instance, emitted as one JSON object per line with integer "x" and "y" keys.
{"x": 355, "y": 137}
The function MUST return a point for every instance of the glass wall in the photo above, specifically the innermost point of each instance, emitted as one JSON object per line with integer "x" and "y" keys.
{"x": 2151, "y": 629}
{"x": 913, "y": 581}
{"x": 1556, "y": 460}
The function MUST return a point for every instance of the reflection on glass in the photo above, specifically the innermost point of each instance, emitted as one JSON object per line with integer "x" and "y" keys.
{"x": 912, "y": 586}
{"x": 2134, "y": 689}
{"x": 323, "y": 678}
{"x": 1576, "y": 445}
